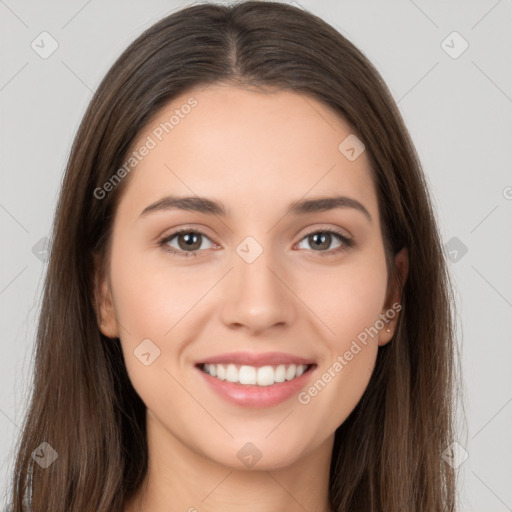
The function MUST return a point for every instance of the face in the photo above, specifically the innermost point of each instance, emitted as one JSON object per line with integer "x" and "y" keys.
{"x": 264, "y": 278}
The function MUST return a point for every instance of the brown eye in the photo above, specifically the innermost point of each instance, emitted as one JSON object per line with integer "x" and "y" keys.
{"x": 320, "y": 242}
{"x": 189, "y": 242}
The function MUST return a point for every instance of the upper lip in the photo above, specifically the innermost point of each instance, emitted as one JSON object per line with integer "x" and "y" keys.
{"x": 253, "y": 359}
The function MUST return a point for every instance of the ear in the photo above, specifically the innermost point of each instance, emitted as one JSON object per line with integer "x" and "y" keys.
{"x": 103, "y": 303}
{"x": 393, "y": 301}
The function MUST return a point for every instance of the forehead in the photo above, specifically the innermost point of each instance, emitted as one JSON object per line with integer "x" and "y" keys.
{"x": 246, "y": 147}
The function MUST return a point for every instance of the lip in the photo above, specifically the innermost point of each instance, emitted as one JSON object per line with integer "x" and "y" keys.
{"x": 252, "y": 396}
{"x": 254, "y": 359}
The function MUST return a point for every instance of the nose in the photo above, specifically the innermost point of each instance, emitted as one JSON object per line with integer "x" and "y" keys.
{"x": 258, "y": 295}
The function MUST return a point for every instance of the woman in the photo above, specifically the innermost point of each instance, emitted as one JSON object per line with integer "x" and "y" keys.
{"x": 247, "y": 304}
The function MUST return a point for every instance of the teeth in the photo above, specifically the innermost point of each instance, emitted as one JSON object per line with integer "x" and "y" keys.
{"x": 265, "y": 376}
{"x": 250, "y": 375}
{"x": 221, "y": 372}
{"x": 231, "y": 373}
{"x": 247, "y": 375}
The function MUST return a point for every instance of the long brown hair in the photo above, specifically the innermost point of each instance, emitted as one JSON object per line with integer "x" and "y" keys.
{"x": 387, "y": 454}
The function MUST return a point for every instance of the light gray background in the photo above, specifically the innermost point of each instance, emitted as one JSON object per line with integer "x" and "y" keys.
{"x": 458, "y": 111}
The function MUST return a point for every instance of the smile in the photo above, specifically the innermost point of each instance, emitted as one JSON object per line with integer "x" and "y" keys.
{"x": 252, "y": 375}
{"x": 256, "y": 386}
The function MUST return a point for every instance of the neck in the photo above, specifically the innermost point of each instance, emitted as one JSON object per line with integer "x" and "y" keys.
{"x": 181, "y": 479}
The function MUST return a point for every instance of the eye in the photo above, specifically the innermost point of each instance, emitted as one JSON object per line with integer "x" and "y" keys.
{"x": 189, "y": 241}
{"x": 320, "y": 240}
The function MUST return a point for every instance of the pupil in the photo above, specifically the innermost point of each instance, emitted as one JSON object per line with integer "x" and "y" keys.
{"x": 190, "y": 240}
{"x": 322, "y": 237}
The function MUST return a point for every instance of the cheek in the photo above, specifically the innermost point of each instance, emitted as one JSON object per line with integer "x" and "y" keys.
{"x": 348, "y": 298}
{"x": 150, "y": 298}
{"x": 153, "y": 305}
{"x": 157, "y": 302}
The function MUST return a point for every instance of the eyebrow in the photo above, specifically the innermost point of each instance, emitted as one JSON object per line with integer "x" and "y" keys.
{"x": 213, "y": 207}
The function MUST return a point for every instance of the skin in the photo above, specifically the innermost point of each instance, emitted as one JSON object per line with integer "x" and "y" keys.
{"x": 256, "y": 153}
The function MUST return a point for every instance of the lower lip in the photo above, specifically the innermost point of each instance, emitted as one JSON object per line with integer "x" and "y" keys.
{"x": 257, "y": 396}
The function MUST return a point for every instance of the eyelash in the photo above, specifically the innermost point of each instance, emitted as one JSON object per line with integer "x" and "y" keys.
{"x": 346, "y": 242}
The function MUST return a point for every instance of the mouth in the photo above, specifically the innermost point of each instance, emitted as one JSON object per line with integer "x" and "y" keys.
{"x": 256, "y": 380}
{"x": 261, "y": 376}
